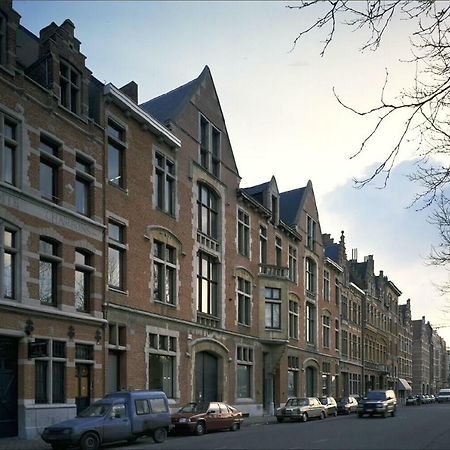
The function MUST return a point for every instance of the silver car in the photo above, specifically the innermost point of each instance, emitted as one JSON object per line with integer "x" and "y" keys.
{"x": 301, "y": 408}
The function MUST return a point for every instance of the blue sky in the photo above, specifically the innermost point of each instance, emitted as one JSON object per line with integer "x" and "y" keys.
{"x": 279, "y": 107}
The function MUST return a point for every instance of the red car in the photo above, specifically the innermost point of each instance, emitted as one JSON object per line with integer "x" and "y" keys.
{"x": 200, "y": 418}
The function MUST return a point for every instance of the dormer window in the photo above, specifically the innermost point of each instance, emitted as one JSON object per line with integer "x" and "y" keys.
{"x": 69, "y": 82}
{"x": 209, "y": 147}
{"x": 310, "y": 233}
{"x": 274, "y": 209}
{"x": 2, "y": 39}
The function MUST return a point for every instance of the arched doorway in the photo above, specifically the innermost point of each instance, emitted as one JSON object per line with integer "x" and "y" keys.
{"x": 206, "y": 377}
{"x": 311, "y": 381}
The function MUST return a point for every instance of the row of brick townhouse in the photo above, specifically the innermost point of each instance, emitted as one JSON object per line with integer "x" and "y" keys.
{"x": 132, "y": 258}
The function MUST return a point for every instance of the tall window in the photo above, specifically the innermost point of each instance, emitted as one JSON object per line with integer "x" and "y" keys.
{"x": 48, "y": 265}
{"x": 336, "y": 334}
{"x": 83, "y": 182}
{"x": 273, "y": 308}
{"x": 8, "y": 263}
{"x": 326, "y": 285}
{"x": 262, "y": 244}
{"x": 293, "y": 264}
{"x": 50, "y": 371}
{"x": 83, "y": 272}
{"x": 48, "y": 170}
{"x": 310, "y": 323}
{"x": 116, "y": 154}
{"x": 164, "y": 272}
{"x": 210, "y": 147}
{"x": 326, "y": 331}
{"x": 344, "y": 308}
{"x": 293, "y": 369}
{"x": 207, "y": 284}
{"x": 2, "y": 39}
{"x": 207, "y": 211}
{"x": 116, "y": 252}
{"x": 293, "y": 319}
{"x": 162, "y": 363}
{"x": 69, "y": 82}
{"x": 337, "y": 292}
{"x": 8, "y": 149}
{"x": 310, "y": 267}
{"x": 243, "y": 233}
{"x": 278, "y": 251}
{"x": 165, "y": 183}
{"x": 344, "y": 343}
{"x": 244, "y": 363}
{"x": 310, "y": 233}
{"x": 244, "y": 294}
{"x": 326, "y": 378}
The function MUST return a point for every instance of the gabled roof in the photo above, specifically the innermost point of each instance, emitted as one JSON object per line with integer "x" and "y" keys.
{"x": 290, "y": 202}
{"x": 169, "y": 105}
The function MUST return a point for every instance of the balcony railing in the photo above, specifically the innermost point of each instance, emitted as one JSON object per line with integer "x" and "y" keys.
{"x": 269, "y": 270}
{"x": 208, "y": 242}
{"x": 207, "y": 320}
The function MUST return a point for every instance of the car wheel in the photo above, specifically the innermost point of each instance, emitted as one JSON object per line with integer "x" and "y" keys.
{"x": 385, "y": 414}
{"x": 89, "y": 441}
{"x": 159, "y": 435}
{"x": 304, "y": 417}
{"x": 234, "y": 427}
{"x": 360, "y": 415}
{"x": 200, "y": 428}
{"x": 280, "y": 419}
{"x": 348, "y": 412}
{"x": 322, "y": 415}
{"x": 393, "y": 412}
{"x": 335, "y": 414}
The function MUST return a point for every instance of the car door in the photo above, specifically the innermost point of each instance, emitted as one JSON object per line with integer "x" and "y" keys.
{"x": 314, "y": 407}
{"x": 226, "y": 417}
{"x": 117, "y": 425}
{"x": 213, "y": 416}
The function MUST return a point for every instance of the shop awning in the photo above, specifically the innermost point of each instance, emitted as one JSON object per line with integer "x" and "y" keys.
{"x": 403, "y": 385}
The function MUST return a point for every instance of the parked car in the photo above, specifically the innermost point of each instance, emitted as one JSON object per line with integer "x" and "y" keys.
{"x": 330, "y": 405}
{"x": 443, "y": 396}
{"x": 421, "y": 400}
{"x": 347, "y": 405}
{"x": 426, "y": 399}
{"x": 432, "y": 398}
{"x": 120, "y": 416}
{"x": 301, "y": 408}
{"x": 200, "y": 418}
{"x": 411, "y": 400}
{"x": 378, "y": 402}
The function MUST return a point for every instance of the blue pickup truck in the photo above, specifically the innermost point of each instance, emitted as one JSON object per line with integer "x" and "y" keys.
{"x": 120, "y": 416}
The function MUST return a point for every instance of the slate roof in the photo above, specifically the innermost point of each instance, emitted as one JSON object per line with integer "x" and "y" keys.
{"x": 257, "y": 191}
{"x": 332, "y": 252}
{"x": 169, "y": 105}
{"x": 290, "y": 202}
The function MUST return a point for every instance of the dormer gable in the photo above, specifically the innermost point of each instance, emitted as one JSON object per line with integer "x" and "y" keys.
{"x": 267, "y": 195}
{"x": 9, "y": 24}
{"x": 61, "y": 67}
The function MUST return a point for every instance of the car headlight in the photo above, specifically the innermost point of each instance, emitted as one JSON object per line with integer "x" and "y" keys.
{"x": 183, "y": 420}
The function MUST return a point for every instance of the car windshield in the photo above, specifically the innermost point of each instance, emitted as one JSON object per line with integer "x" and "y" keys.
{"x": 297, "y": 402}
{"x": 376, "y": 395}
{"x": 343, "y": 401}
{"x": 96, "y": 410}
{"x": 324, "y": 401}
{"x": 194, "y": 408}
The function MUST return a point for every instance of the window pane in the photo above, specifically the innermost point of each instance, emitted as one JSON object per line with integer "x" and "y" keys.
{"x": 58, "y": 380}
{"x": 82, "y": 196}
{"x": 243, "y": 381}
{"x": 81, "y": 290}
{"x": 48, "y": 181}
{"x": 114, "y": 267}
{"x": 114, "y": 165}
{"x": 41, "y": 381}
{"x": 8, "y": 275}
{"x": 9, "y": 165}
{"x": 46, "y": 282}
{"x": 115, "y": 232}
